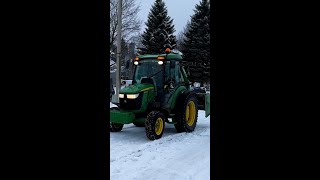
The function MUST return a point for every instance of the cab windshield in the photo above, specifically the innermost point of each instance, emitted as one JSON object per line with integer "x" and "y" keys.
{"x": 147, "y": 68}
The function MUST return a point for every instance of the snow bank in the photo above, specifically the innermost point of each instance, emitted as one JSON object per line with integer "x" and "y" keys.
{"x": 175, "y": 156}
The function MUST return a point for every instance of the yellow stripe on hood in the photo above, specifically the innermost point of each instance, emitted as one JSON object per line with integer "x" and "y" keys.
{"x": 146, "y": 89}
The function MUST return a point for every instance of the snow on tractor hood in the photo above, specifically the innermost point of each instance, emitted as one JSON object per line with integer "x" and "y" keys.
{"x": 136, "y": 88}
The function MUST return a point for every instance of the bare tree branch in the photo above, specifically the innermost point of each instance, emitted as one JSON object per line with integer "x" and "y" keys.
{"x": 131, "y": 24}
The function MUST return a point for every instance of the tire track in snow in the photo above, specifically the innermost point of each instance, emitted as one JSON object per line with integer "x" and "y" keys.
{"x": 132, "y": 156}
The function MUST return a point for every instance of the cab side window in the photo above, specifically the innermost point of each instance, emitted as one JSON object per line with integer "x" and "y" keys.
{"x": 167, "y": 70}
{"x": 181, "y": 76}
{"x": 177, "y": 73}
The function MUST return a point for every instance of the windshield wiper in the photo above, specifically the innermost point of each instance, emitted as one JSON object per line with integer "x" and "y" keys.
{"x": 154, "y": 74}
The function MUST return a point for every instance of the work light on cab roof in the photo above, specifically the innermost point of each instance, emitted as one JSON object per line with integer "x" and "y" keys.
{"x": 136, "y": 61}
{"x": 160, "y": 60}
{"x": 167, "y": 50}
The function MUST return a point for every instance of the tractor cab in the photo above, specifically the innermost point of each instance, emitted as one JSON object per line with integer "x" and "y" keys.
{"x": 148, "y": 71}
{"x": 160, "y": 90}
{"x": 163, "y": 71}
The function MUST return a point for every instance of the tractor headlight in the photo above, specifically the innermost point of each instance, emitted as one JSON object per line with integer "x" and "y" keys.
{"x": 136, "y": 63}
{"x": 121, "y": 95}
{"x": 132, "y": 96}
{"x": 160, "y": 62}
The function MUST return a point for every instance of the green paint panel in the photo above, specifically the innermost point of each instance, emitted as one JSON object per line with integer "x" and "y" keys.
{"x": 173, "y": 99}
{"x": 170, "y": 56}
{"x": 136, "y": 88}
{"x": 123, "y": 117}
{"x": 148, "y": 96}
{"x": 145, "y": 101}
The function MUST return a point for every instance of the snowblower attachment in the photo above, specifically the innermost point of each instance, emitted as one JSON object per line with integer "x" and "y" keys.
{"x": 204, "y": 102}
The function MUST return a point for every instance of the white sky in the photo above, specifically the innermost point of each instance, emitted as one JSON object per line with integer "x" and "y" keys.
{"x": 179, "y": 10}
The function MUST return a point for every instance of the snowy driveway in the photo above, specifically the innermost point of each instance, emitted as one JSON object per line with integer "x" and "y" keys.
{"x": 176, "y": 156}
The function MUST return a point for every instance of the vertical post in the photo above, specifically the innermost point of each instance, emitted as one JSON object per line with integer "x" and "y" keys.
{"x": 118, "y": 48}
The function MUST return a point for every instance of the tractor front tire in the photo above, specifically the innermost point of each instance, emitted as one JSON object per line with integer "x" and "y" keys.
{"x": 154, "y": 124}
{"x": 187, "y": 113}
{"x": 115, "y": 127}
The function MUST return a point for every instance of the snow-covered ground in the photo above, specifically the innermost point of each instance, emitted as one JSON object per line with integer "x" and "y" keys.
{"x": 176, "y": 156}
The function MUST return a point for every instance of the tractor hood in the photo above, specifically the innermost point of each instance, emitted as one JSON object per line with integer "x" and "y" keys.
{"x": 136, "y": 88}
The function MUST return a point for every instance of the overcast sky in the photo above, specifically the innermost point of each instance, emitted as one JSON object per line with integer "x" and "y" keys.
{"x": 179, "y": 10}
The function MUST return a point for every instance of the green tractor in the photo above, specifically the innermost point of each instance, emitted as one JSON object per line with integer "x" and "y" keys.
{"x": 160, "y": 90}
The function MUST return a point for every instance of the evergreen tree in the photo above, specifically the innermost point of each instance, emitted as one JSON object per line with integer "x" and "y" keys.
{"x": 181, "y": 37}
{"x": 159, "y": 32}
{"x": 196, "y": 45}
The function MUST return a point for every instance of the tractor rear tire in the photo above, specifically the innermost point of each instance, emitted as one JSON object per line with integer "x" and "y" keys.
{"x": 115, "y": 127}
{"x": 187, "y": 113}
{"x": 155, "y": 124}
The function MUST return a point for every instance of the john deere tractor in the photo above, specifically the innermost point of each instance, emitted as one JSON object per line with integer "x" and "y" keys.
{"x": 160, "y": 90}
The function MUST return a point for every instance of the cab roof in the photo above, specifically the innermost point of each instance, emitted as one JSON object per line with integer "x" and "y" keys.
{"x": 153, "y": 56}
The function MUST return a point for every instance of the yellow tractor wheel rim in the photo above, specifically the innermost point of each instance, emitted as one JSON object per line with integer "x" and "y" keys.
{"x": 159, "y": 126}
{"x": 190, "y": 113}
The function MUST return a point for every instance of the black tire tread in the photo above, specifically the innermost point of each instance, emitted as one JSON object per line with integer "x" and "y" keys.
{"x": 181, "y": 125}
{"x": 150, "y": 124}
{"x": 115, "y": 127}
